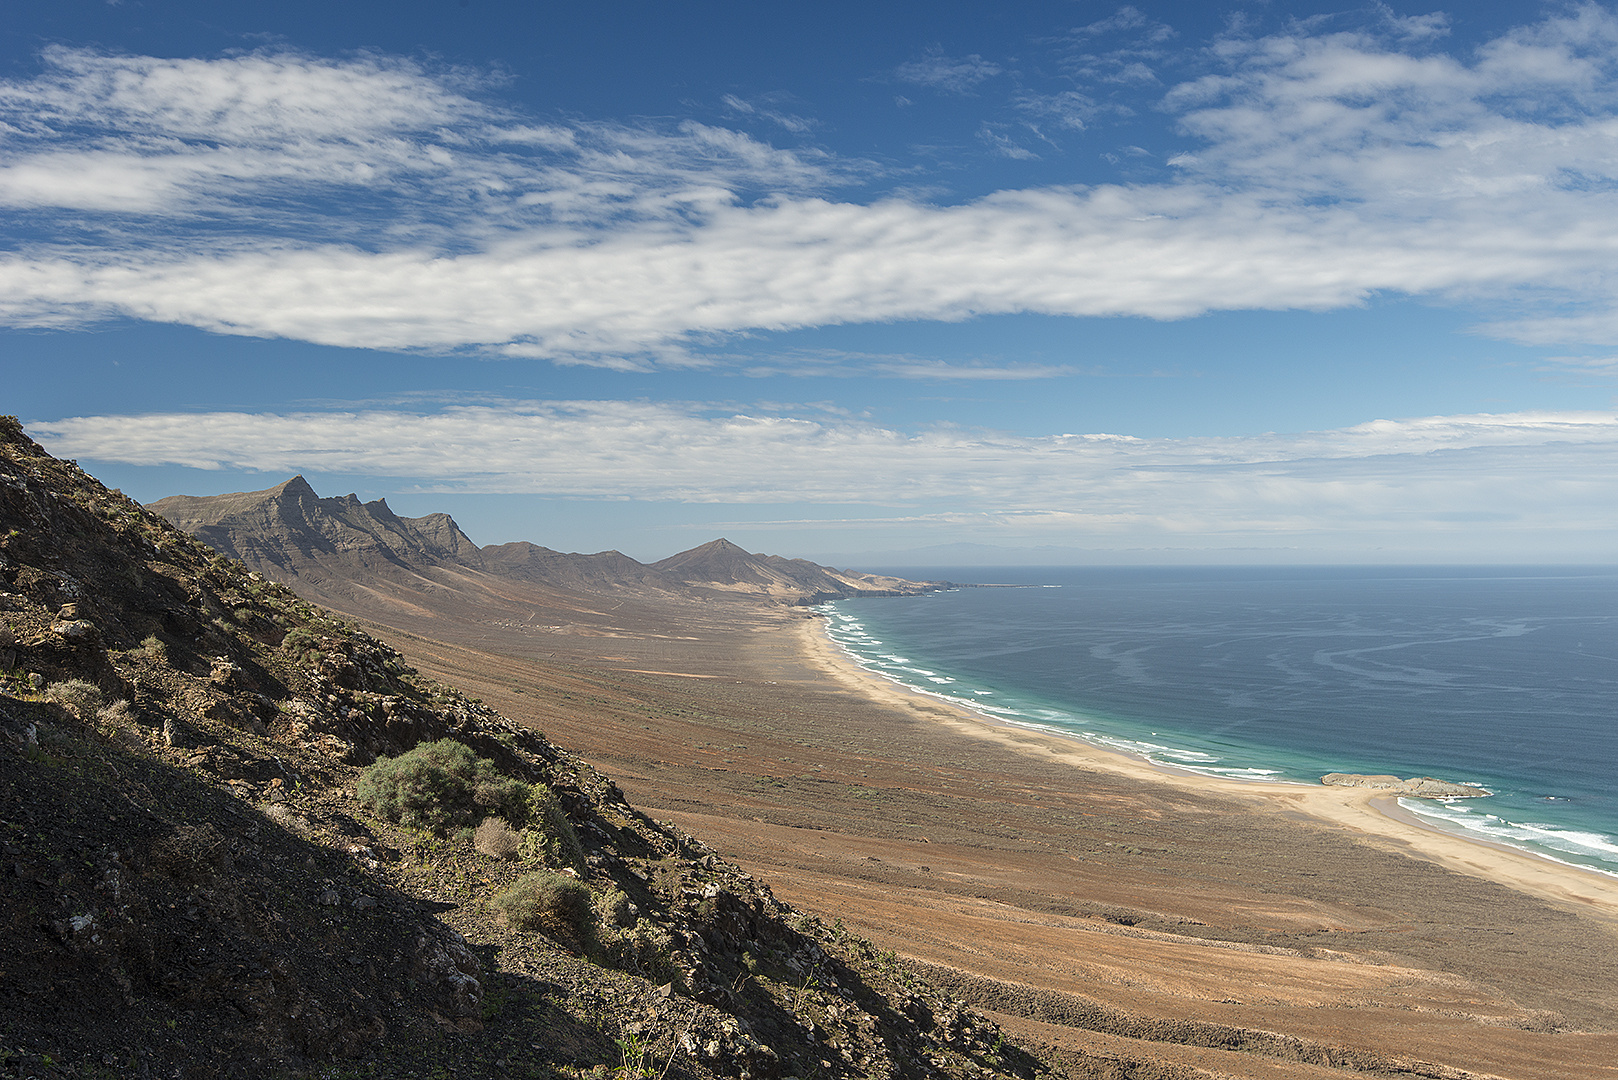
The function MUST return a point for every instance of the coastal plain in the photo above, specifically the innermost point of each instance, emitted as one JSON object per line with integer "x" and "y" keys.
{"x": 1124, "y": 920}
{"x": 1173, "y": 925}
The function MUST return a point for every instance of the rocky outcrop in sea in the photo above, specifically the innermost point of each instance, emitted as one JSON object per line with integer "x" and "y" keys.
{"x": 1417, "y": 787}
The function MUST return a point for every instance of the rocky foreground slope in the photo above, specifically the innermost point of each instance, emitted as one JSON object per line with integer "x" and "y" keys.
{"x": 192, "y": 888}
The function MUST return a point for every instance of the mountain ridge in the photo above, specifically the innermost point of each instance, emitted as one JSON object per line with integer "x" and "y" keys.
{"x": 293, "y": 535}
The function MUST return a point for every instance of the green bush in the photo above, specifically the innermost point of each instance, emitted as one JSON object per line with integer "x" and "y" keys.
{"x": 554, "y": 904}
{"x": 550, "y": 836}
{"x": 645, "y": 949}
{"x": 441, "y": 786}
{"x": 301, "y": 644}
{"x": 150, "y": 648}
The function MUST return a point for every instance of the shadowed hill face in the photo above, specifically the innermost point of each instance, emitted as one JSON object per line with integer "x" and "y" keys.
{"x": 292, "y": 529}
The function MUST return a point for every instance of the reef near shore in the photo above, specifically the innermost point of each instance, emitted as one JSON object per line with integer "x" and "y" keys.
{"x": 1417, "y": 787}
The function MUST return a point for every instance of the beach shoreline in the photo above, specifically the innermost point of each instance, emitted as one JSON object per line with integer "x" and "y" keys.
{"x": 1047, "y": 878}
{"x": 1374, "y": 815}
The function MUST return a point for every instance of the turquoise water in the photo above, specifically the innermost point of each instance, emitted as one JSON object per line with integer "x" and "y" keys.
{"x": 1501, "y": 677}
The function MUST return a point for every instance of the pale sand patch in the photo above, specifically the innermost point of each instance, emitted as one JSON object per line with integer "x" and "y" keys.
{"x": 676, "y": 674}
{"x": 1375, "y": 816}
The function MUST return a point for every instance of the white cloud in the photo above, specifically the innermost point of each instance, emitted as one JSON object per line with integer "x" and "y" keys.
{"x": 1582, "y": 365}
{"x": 1070, "y": 109}
{"x": 100, "y": 132}
{"x": 1126, "y": 18}
{"x": 820, "y": 363}
{"x": 994, "y": 135}
{"x": 1354, "y": 116}
{"x": 766, "y": 109}
{"x": 375, "y": 148}
{"x": 375, "y": 202}
{"x": 1433, "y": 474}
{"x": 950, "y": 74}
{"x": 1164, "y": 253}
{"x": 1127, "y": 63}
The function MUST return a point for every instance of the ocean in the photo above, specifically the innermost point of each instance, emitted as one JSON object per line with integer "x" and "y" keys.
{"x": 1501, "y": 677}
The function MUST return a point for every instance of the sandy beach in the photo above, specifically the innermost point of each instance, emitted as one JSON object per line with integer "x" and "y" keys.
{"x": 1136, "y": 920}
{"x": 1375, "y": 816}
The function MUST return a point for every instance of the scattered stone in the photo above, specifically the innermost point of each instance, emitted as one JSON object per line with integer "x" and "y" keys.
{"x": 444, "y": 961}
{"x": 224, "y": 672}
{"x": 175, "y": 733}
{"x": 77, "y": 631}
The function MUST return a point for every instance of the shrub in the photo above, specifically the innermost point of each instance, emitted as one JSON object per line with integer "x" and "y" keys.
{"x": 441, "y": 786}
{"x": 301, "y": 644}
{"x": 192, "y": 854}
{"x": 554, "y": 904}
{"x": 613, "y": 908}
{"x": 550, "y": 837}
{"x": 151, "y": 648}
{"x": 83, "y": 698}
{"x": 496, "y": 839}
{"x": 645, "y": 949}
{"x": 119, "y": 714}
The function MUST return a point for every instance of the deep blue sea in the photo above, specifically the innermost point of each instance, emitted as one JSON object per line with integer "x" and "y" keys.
{"x": 1504, "y": 677}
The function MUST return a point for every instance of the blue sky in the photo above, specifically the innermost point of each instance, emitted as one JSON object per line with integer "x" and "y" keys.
{"x": 1252, "y": 282}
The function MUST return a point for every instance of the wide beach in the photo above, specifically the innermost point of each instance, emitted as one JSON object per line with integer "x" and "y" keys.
{"x": 1376, "y": 815}
{"x": 1088, "y": 900}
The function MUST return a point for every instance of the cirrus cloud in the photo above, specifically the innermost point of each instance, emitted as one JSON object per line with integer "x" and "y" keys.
{"x": 382, "y": 203}
{"x": 1435, "y": 474}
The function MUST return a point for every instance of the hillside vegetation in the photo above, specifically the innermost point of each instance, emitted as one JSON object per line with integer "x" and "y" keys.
{"x": 242, "y": 838}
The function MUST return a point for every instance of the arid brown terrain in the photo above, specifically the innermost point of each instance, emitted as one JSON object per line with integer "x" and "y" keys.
{"x": 1132, "y": 928}
{"x": 242, "y": 838}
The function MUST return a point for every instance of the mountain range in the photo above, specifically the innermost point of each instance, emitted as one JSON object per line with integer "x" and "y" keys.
{"x": 363, "y": 558}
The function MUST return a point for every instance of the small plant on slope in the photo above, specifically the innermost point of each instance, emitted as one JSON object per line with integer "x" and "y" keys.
{"x": 441, "y": 786}
{"x": 554, "y": 904}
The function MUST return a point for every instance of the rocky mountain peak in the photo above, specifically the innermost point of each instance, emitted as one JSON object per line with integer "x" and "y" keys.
{"x": 716, "y": 561}
{"x": 339, "y": 550}
{"x": 288, "y": 530}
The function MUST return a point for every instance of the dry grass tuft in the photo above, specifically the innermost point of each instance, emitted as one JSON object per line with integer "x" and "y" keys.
{"x": 497, "y": 839}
